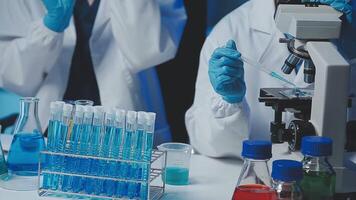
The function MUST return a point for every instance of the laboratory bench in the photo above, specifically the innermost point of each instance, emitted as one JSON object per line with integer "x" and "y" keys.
{"x": 210, "y": 178}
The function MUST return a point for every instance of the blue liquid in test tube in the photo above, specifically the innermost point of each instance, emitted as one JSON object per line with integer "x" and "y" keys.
{"x": 94, "y": 149}
{"x": 83, "y": 165}
{"x": 108, "y": 132}
{"x": 60, "y": 142}
{"x": 115, "y": 147}
{"x": 53, "y": 127}
{"x": 126, "y": 151}
{"x": 72, "y": 148}
{"x": 147, "y": 149}
{"x": 136, "y": 155}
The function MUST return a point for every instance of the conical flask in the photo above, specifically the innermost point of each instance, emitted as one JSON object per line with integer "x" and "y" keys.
{"x": 23, "y": 157}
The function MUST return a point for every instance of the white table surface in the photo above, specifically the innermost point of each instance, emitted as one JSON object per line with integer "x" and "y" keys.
{"x": 210, "y": 178}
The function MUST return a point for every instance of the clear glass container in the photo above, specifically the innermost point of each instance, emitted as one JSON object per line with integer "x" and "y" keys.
{"x": 286, "y": 177}
{"x": 255, "y": 181}
{"x": 28, "y": 141}
{"x": 319, "y": 176}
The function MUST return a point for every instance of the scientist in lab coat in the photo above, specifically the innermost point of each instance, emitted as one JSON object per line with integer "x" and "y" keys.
{"x": 67, "y": 49}
{"x": 226, "y": 110}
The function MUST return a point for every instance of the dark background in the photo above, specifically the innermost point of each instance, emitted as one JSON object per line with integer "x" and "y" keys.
{"x": 178, "y": 76}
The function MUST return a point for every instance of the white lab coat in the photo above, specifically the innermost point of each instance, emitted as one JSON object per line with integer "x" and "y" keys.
{"x": 215, "y": 127}
{"x": 128, "y": 37}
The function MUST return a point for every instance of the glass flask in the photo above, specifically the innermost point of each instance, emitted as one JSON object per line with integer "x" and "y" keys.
{"x": 28, "y": 141}
{"x": 255, "y": 182}
{"x": 286, "y": 177}
{"x": 319, "y": 176}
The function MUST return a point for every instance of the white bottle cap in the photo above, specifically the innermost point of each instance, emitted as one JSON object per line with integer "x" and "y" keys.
{"x": 141, "y": 117}
{"x": 88, "y": 111}
{"x": 131, "y": 117}
{"x": 110, "y": 114}
{"x": 99, "y": 112}
{"x": 67, "y": 110}
{"x": 79, "y": 110}
{"x": 120, "y": 115}
{"x": 53, "y": 107}
{"x": 151, "y": 118}
{"x": 60, "y": 104}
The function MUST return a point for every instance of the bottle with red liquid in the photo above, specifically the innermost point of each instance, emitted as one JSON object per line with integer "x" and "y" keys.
{"x": 255, "y": 182}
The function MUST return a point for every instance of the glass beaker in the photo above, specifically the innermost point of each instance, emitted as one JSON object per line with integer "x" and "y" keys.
{"x": 23, "y": 157}
{"x": 178, "y": 159}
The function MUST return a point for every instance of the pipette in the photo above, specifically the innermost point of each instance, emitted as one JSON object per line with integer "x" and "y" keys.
{"x": 258, "y": 66}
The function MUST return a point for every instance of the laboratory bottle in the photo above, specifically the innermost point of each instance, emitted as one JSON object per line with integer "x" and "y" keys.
{"x": 28, "y": 141}
{"x": 286, "y": 177}
{"x": 254, "y": 182}
{"x": 319, "y": 177}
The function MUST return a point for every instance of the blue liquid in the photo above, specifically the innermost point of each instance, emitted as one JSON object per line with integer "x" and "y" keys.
{"x": 59, "y": 144}
{"x": 53, "y": 128}
{"x": 125, "y": 167}
{"x": 148, "y": 147}
{"x": 70, "y": 162}
{"x": 82, "y": 164}
{"x": 176, "y": 176}
{"x": 24, "y": 153}
{"x": 90, "y": 186}
{"x": 136, "y": 169}
{"x": 104, "y": 153}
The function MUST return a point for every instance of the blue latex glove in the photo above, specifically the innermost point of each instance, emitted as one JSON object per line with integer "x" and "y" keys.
{"x": 340, "y": 5}
{"x": 226, "y": 73}
{"x": 58, "y": 14}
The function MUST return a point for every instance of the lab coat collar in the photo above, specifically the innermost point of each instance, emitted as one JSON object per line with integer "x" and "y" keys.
{"x": 262, "y": 16}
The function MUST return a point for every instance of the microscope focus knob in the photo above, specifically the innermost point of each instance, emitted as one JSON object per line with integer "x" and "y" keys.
{"x": 297, "y": 130}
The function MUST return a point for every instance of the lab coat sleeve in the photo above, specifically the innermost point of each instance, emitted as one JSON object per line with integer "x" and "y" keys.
{"x": 148, "y": 32}
{"x": 216, "y": 128}
{"x": 27, "y": 48}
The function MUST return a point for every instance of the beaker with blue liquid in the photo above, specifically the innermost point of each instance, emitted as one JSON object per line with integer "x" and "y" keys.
{"x": 28, "y": 141}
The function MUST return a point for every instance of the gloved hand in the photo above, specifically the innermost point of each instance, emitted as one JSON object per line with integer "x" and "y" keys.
{"x": 58, "y": 14}
{"x": 226, "y": 73}
{"x": 340, "y": 5}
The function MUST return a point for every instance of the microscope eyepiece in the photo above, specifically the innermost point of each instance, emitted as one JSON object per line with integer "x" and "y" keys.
{"x": 309, "y": 71}
{"x": 291, "y": 63}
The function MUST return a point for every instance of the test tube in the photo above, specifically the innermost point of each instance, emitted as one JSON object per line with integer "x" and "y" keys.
{"x": 94, "y": 148}
{"x": 147, "y": 152}
{"x": 109, "y": 128}
{"x": 50, "y": 140}
{"x": 83, "y": 164}
{"x": 72, "y": 146}
{"x": 61, "y": 139}
{"x": 125, "y": 167}
{"x": 136, "y": 155}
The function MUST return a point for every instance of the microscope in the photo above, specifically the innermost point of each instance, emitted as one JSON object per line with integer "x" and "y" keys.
{"x": 323, "y": 110}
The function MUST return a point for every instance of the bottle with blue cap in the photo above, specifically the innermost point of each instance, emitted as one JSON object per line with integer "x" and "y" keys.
{"x": 286, "y": 177}
{"x": 255, "y": 181}
{"x": 319, "y": 176}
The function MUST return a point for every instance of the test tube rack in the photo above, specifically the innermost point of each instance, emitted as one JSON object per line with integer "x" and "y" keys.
{"x": 155, "y": 184}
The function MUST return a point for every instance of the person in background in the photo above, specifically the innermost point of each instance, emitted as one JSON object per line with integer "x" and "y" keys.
{"x": 226, "y": 110}
{"x": 89, "y": 49}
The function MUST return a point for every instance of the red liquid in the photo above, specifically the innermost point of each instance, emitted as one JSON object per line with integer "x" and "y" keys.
{"x": 254, "y": 192}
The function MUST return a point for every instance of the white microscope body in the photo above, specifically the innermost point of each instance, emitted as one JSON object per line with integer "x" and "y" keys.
{"x": 311, "y": 28}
